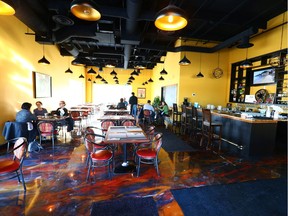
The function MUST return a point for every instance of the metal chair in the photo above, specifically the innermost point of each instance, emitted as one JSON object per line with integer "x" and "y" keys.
{"x": 176, "y": 118}
{"x": 46, "y": 129}
{"x": 12, "y": 162}
{"x": 76, "y": 116}
{"x": 186, "y": 120}
{"x": 106, "y": 124}
{"x": 147, "y": 116}
{"x": 209, "y": 129}
{"x": 128, "y": 123}
{"x": 196, "y": 125}
{"x": 99, "y": 154}
{"x": 150, "y": 155}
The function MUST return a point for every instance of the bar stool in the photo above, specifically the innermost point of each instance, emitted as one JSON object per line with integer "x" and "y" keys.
{"x": 209, "y": 129}
{"x": 176, "y": 118}
{"x": 186, "y": 120}
{"x": 196, "y": 125}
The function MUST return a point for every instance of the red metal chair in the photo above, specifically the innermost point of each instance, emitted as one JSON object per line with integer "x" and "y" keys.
{"x": 94, "y": 130}
{"x": 106, "y": 124}
{"x": 147, "y": 116}
{"x": 150, "y": 155}
{"x": 76, "y": 116}
{"x": 12, "y": 162}
{"x": 100, "y": 154}
{"x": 128, "y": 123}
{"x": 46, "y": 129}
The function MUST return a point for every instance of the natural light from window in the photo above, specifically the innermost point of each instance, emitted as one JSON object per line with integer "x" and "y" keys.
{"x": 110, "y": 94}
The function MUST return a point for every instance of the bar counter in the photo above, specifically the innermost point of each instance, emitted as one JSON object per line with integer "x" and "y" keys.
{"x": 249, "y": 136}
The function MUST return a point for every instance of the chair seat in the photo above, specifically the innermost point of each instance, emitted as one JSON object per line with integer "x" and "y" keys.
{"x": 47, "y": 134}
{"x": 9, "y": 166}
{"x": 101, "y": 155}
{"x": 146, "y": 153}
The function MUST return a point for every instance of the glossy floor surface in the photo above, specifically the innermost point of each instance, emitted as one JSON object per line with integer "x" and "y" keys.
{"x": 56, "y": 182}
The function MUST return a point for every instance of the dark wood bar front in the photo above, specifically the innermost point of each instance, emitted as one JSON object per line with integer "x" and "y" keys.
{"x": 248, "y": 136}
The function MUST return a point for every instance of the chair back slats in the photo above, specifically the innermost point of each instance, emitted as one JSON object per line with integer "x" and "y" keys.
{"x": 106, "y": 124}
{"x": 206, "y": 116}
{"x": 158, "y": 142}
{"x": 128, "y": 123}
{"x": 150, "y": 132}
{"x": 45, "y": 127}
{"x": 175, "y": 107}
{"x": 146, "y": 113}
{"x": 20, "y": 148}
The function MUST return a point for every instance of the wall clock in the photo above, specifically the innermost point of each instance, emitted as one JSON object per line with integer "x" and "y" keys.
{"x": 217, "y": 72}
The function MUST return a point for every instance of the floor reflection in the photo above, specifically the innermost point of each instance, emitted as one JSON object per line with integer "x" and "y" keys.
{"x": 56, "y": 179}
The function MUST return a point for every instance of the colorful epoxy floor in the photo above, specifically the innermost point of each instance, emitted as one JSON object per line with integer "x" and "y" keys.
{"x": 56, "y": 183}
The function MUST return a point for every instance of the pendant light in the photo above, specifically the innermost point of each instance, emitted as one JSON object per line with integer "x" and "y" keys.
{"x": 69, "y": 70}
{"x": 150, "y": 80}
{"x": 171, "y": 18}
{"x": 43, "y": 60}
{"x": 200, "y": 75}
{"x": 91, "y": 71}
{"x": 7, "y": 7}
{"x": 113, "y": 73}
{"x": 246, "y": 64}
{"x": 81, "y": 76}
{"x": 85, "y": 10}
{"x": 131, "y": 78}
{"x": 134, "y": 73}
{"x": 98, "y": 77}
{"x": 161, "y": 78}
{"x": 184, "y": 61}
{"x": 100, "y": 69}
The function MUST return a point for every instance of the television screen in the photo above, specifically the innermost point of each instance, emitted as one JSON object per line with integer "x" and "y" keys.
{"x": 264, "y": 76}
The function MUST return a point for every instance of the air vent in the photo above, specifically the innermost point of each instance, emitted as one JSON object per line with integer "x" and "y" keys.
{"x": 63, "y": 20}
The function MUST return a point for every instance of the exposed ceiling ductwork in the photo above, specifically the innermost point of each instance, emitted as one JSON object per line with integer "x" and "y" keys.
{"x": 126, "y": 34}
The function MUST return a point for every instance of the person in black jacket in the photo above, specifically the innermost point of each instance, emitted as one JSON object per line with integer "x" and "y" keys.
{"x": 133, "y": 101}
{"x": 62, "y": 111}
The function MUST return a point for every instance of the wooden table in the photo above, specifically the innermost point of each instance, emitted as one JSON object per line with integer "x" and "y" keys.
{"x": 52, "y": 118}
{"x": 115, "y": 112}
{"x": 122, "y": 135}
{"x": 117, "y": 118}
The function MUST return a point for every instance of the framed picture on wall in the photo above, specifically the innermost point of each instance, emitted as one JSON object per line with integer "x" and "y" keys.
{"x": 42, "y": 85}
{"x": 141, "y": 93}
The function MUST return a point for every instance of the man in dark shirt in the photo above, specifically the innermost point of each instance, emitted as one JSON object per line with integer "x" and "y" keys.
{"x": 121, "y": 104}
{"x": 133, "y": 100}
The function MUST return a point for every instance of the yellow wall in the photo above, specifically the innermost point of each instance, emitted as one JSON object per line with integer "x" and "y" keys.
{"x": 19, "y": 55}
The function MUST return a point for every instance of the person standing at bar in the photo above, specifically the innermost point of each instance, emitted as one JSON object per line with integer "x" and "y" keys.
{"x": 133, "y": 101}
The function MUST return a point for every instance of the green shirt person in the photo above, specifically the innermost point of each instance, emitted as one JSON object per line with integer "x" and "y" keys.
{"x": 164, "y": 109}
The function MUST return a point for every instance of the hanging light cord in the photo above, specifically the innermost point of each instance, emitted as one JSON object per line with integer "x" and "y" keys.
{"x": 282, "y": 31}
{"x": 200, "y": 62}
{"x": 218, "y": 58}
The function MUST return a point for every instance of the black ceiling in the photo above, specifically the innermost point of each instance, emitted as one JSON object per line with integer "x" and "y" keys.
{"x": 126, "y": 33}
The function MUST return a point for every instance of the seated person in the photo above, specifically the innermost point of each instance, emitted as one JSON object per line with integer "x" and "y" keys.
{"x": 39, "y": 111}
{"x": 121, "y": 104}
{"x": 148, "y": 106}
{"x": 25, "y": 116}
{"x": 125, "y": 102}
{"x": 164, "y": 112}
{"x": 62, "y": 111}
{"x": 164, "y": 109}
